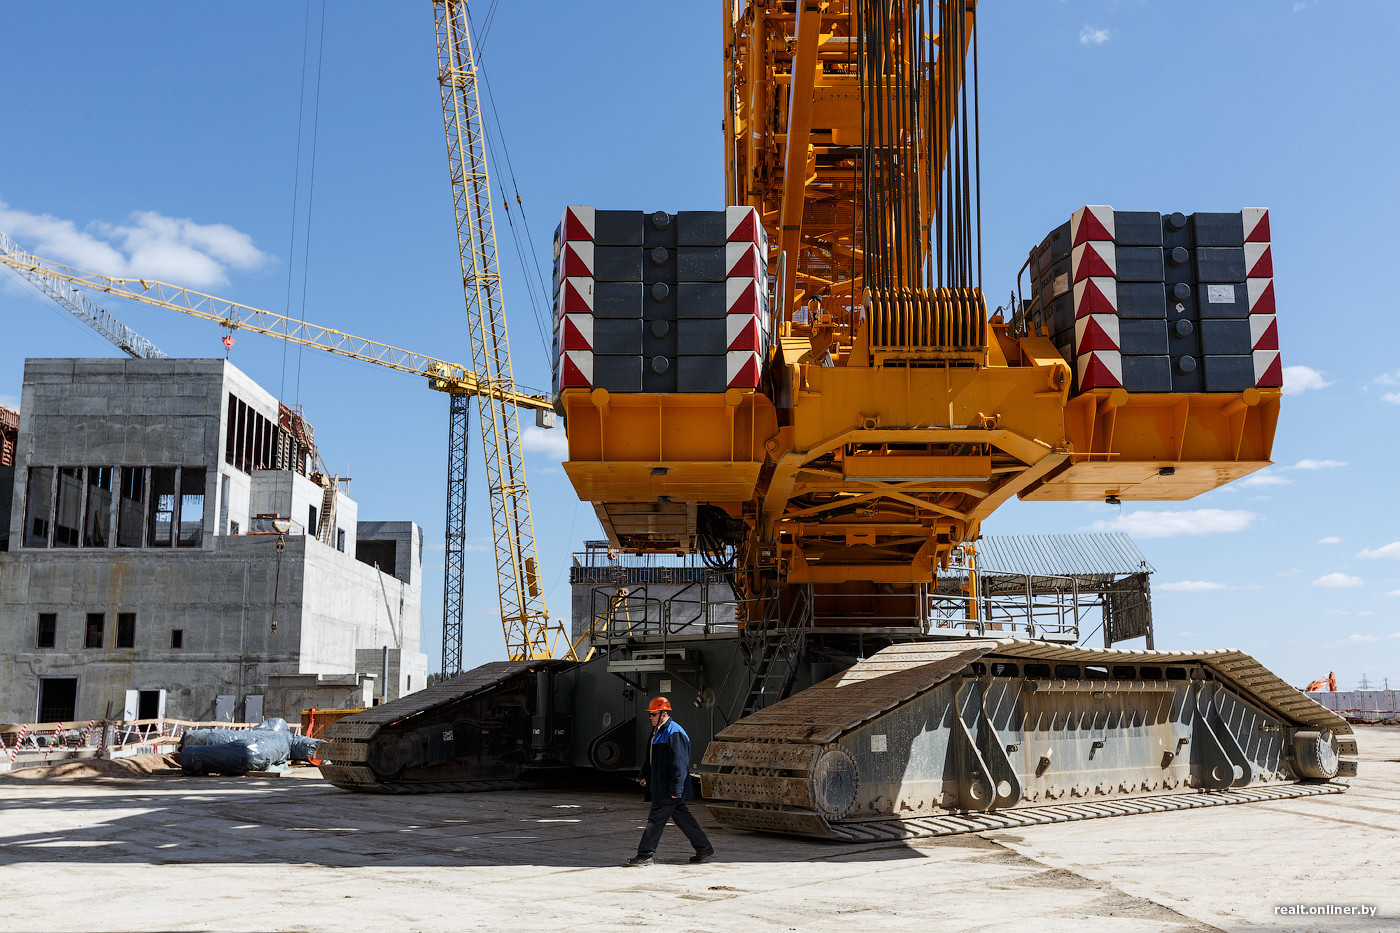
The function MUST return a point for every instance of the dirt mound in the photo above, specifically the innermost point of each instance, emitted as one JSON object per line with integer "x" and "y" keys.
{"x": 97, "y": 768}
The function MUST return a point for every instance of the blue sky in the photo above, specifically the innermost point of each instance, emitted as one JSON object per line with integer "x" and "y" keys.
{"x": 161, "y": 139}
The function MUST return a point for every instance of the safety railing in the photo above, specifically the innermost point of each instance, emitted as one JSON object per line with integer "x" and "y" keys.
{"x": 42, "y": 742}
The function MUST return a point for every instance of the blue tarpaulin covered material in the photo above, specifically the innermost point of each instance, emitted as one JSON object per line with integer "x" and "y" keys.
{"x": 238, "y": 751}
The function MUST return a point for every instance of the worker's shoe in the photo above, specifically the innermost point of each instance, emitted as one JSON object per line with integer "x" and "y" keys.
{"x": 701, "y": 854}
{"x": 637, "y": 861}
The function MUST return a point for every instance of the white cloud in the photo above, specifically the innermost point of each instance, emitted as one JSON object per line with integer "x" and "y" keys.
{"x": 1337, "y": 581}
{"x": 1170, "y": 524}
{"x": 1330, "y": 539}
{"x": 1265, "y": 479}
{"x": 1318, "y": 464}
{"x": 1190, "y": 635}
{"x": 551, "y": 442}
{"x": 1386, "y": 550}
{"x": 1192, "y": 586}
{"x": 1299, "y": 379}
{"x": 1388, "y": 379}
{"x": 1391, "y": 397}
{"x": 152, "y": 246}
{"x": 1365, "y": 612}
{"x": 1392, "y": 592}
{"x": 1091, "y": 35}
{"x": 1370, "y": 638}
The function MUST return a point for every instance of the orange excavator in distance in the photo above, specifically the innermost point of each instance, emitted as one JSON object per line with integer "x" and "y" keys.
{"x": 805, "y": 388}
{"x": 1330, "y": 682}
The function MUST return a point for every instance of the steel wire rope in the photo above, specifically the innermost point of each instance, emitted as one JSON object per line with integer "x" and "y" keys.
{"x": 311, "y": 190}
{"x": 296, "y": 188}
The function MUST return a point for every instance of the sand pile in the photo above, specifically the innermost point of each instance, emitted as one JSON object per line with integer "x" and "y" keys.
{"x": 97, "y": 768}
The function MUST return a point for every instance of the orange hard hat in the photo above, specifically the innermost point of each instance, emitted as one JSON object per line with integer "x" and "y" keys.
{"x": 659, "y": 704}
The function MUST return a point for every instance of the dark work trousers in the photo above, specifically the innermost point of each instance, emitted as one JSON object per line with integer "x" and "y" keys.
{"x": 660, "y": 815}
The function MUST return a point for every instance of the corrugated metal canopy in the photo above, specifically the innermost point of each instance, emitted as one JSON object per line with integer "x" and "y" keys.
{"x": 1112, "y": 554}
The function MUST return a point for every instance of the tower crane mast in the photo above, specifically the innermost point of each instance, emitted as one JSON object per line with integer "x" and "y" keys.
{"x": 529, "y": 632}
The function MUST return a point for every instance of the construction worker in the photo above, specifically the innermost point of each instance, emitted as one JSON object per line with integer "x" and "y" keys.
{"x": 665, "y": 773}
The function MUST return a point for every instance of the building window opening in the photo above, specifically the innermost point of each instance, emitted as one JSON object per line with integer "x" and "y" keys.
{"x": 93, "y": 636}
{"x": 68, "y": 513}
{"x": 131, "y": 507}
{"x": 191, "y": 507}
{"x": 47, "y": 634}
{"x": 233, "y": 528}
{"x": 99, "y": 507}
{"x": 58, "y": 699}
{"x": 38, "y": 506}
{"x": 177, "y": 638}
{"x": 126, "y": 630}
{"x": 340, "y": 540}
{"x": 311, "y": 526}
{"x": 163, "y": 506}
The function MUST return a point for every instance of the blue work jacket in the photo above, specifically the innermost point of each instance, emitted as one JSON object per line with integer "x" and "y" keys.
{"x": 667, "y": 765}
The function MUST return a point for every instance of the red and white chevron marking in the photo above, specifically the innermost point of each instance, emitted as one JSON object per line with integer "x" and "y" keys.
{"x": 1263, "y": 332}
{"x": 1092, "y": 222}
{"x": 1100, "y": 369}
{"x": 742, "y": 224}
{"x": 575, "y": 258}
{"x": 743, "y": 332}
{"x": 576, "y": 332}
{"x": 1258, "y": 261}
{"x": 1256, "y": 224}
{"x": 1089, "y": 260}
{"x": 1268, "y": 369}
{"x": 1096, "y": 332}
{"x": 1261, "y": 296}
{"x": 1096, "y": 295}
{"x": 744, "y": 296}
{"x": 575, "y": 370}
{"x": 742, "y": 369}
{"x": 577, "y": 223}
{"x": 746, "y": 260}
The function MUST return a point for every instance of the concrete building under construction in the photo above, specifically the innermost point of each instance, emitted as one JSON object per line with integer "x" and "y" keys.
{"x": 171, "y": 550}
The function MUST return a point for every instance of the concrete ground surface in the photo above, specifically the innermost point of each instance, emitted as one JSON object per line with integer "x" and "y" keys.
{"x": 154, "y": 853}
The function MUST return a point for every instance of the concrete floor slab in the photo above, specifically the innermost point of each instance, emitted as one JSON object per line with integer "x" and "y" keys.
{"x": 293, "y": 853}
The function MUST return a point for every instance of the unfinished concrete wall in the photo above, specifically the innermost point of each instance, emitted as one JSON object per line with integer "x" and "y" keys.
{"x": 289, "y": 694}
{"x": 244, "y": 610}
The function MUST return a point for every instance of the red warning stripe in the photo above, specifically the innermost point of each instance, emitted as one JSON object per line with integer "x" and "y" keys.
{"x": 1256, "y": 225}
{"x": 1263, "y": 332}
{"x": 748, "y": 338}
{"x": 1094, "y": 222}
{"x": 578, "y": 223}
{"x": 1258, "y": 260}
{"x": 743, "y": 261}
{"x": 1096, "y": 296}
{"x": 578, "y": 259}
{"x": 1268, "y": 369}
{"x": 1096, "y": 332}
{"x": 742, "y": 224}
{"x": 1096, "y": 371}
{"x": 1094, "y": 259}
{"x": 743, "y": 370}
{"x": 573, "y": 337}
{"x": 576, "y": 296}
{"x": 571, "y": 376}
{"x": 1261, "y": 296}
{"x": 742, "y": 299}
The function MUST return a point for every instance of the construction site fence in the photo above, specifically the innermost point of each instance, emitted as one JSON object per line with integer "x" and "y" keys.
{"x": 42, "y": 742}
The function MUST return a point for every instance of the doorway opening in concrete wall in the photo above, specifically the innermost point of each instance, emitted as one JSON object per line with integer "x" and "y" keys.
{"x": 150, "y": 705}
{"x": 58, "y": 699}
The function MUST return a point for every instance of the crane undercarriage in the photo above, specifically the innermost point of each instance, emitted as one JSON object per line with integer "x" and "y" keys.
{"x": 924, "y": 736}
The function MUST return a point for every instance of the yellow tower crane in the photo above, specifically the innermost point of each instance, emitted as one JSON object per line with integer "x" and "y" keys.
{"x": 457, "y": 380}
{"x": 529, "y": 632}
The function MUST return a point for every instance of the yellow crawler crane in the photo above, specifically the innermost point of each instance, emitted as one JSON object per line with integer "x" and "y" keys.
{"x": 895, "y": 415}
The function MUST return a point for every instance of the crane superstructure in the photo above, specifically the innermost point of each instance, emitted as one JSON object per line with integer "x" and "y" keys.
{"x": 832, "y": 485}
